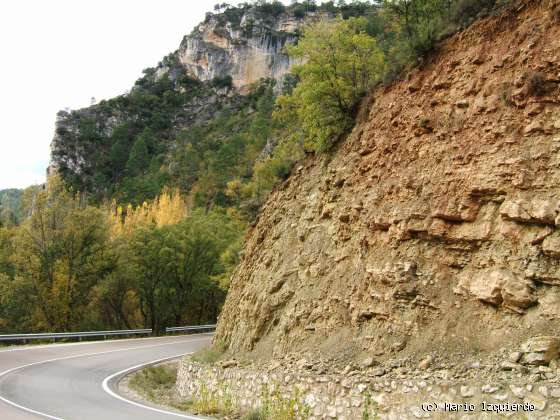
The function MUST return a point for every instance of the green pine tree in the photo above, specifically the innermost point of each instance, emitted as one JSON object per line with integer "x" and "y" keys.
{"x": 139, "y": 157}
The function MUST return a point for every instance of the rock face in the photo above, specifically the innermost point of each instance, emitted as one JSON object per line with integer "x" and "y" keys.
{"x": 405, "y": 240}
{"x": 248, "y": 51}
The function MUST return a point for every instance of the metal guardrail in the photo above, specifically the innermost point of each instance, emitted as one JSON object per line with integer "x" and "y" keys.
{"x": 80, "y": 335}
{"x": 190, "y": 328}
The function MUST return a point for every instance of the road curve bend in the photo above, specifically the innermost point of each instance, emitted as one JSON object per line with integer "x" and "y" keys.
{"x": 77, "y": 381}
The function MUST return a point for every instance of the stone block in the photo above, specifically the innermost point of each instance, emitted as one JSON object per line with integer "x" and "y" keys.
{"x": 498, "y": 287}
{"x": 540, "y": 350}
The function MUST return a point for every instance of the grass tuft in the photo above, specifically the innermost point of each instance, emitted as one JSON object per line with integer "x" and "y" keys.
{"x": 210, "y": 355}
{"x": 154, "y": 382}
{"x": 255, "y": 415}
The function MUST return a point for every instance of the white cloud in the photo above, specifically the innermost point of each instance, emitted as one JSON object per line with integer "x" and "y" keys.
{"x": 61, "y": 53}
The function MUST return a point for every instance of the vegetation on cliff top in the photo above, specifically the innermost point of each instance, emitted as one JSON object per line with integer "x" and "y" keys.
{"x": 344, "y": 59}
{"x": 270, "y": 10}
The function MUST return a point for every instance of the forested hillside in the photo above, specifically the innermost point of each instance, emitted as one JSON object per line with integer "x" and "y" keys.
{"x": 197, "y": 141}
{"x": 221, "y": 147}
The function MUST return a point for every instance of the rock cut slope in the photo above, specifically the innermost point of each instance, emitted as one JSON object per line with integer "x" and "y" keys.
{"x": 435, "y": 225}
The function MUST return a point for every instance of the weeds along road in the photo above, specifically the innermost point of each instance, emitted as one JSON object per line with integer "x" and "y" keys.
{"x": 77, "y": 381}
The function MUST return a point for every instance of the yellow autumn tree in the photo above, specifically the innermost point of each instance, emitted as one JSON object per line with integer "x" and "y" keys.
{"x": 167, "y": 209}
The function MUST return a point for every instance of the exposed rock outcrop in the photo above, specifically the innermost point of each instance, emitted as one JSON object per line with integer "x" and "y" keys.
{"x": 407, "y": 239}
{"x": 498, "y": 287}
{"x": 248, "y": 51}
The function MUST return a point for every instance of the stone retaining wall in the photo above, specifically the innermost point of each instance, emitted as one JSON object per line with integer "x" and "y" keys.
{"x": 336, "y": 397}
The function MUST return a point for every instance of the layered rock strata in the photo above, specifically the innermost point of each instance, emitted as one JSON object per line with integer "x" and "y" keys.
{"x": 435, "y": 225}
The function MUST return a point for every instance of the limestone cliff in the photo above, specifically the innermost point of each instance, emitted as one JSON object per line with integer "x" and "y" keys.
{"x": 248, "y": 51}
{"x": 435, "y": 224}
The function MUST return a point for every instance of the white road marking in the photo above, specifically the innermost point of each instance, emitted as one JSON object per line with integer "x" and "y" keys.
{"x": 82, "y": 343}
{"x": 29, "y": 410}
{"x": 109, "y": 391}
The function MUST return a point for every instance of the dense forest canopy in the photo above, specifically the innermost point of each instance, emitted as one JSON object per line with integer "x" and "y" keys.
{"x": 71, "y": 265}
{"x": 143, "y": 222}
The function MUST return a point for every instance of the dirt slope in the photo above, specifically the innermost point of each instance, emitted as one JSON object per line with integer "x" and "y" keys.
{"x": 435, "y": 225}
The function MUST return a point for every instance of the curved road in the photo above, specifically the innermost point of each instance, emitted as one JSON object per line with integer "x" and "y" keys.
{"x": 77, "y": 381}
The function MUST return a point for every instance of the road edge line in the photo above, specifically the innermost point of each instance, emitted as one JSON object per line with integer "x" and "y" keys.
{"x": 107, "y": 388}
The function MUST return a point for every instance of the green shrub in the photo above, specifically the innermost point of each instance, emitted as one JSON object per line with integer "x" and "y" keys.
{"x": 424, "y": 123}
{"x": 342, "y": 63}
{"x": 234, "y": 15}
{"x": 370, "y": 408}
{"x": 274, "y": 8}
{"x": 299, "y": 11}
{"x": 222, "y": 82}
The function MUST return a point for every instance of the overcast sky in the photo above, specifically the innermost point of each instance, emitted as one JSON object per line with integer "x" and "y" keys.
{"x": 60, "y": 53}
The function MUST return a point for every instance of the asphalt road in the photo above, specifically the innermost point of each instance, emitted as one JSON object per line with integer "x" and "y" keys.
{"x": 78, "y": 381}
